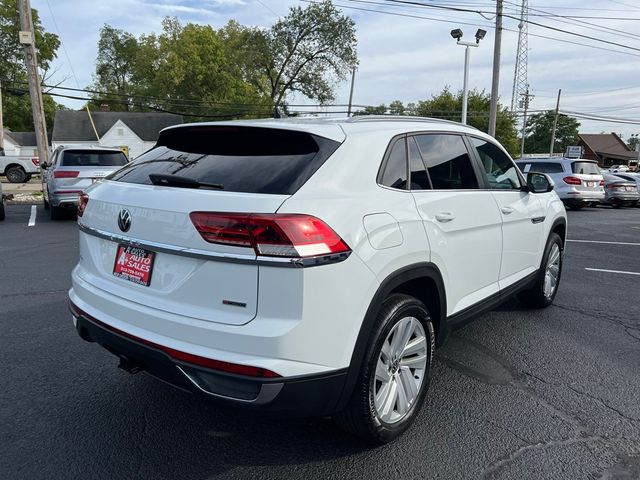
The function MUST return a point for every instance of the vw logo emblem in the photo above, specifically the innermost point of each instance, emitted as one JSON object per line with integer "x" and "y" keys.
{"x": 124, "y": 220}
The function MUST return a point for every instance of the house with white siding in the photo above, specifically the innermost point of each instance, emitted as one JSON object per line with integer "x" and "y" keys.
{"x": 20, "y": 143}
{"x": 133, "y": 132}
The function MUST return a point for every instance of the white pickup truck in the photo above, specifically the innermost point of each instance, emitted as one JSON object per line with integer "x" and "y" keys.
{"x": 19, "y": 169}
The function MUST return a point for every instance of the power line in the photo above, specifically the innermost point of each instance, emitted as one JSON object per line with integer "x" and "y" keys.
{"x": 530, "y": 22}
{"x": 421, "y": 17}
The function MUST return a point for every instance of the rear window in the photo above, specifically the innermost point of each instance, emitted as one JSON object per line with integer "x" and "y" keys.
{"x": 92, "y": 158}
{"x": 585, "y": 168}
{"x": 241, "y": 159}
{"x": 540, "y": 167}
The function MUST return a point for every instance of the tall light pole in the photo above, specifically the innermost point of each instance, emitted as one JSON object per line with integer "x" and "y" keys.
{"x": 457, "y": 35}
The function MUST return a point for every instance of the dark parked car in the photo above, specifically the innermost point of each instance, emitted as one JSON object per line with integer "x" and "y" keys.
{"x": 620, "y": 192}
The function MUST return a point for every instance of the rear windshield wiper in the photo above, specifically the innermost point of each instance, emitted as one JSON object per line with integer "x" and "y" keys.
{"x": 182, "y": 182}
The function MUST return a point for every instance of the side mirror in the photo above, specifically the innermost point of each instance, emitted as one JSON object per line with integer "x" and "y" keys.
{"x": 44, "y": 165}
{"x": 539, "y": 183}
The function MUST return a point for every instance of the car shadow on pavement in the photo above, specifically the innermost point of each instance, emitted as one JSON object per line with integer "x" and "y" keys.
{"x": 167, "y": 431}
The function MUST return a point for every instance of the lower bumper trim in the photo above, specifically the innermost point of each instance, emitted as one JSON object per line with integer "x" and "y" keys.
{"x": 308, "y": 395}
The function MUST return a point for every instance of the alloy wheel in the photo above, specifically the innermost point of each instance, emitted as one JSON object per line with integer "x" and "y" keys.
{"x": 400, "y": 370}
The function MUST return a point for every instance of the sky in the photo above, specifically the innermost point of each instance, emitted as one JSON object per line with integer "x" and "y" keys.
{"x": 407, "y": 58}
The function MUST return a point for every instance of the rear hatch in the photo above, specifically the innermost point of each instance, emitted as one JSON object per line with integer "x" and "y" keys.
{"x": 78, "y": 169}
{"x": 147, "y": 204}
{"x": 589, "y": 175}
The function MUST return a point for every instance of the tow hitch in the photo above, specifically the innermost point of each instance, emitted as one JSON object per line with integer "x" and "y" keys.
{"x": 129, "y": 365}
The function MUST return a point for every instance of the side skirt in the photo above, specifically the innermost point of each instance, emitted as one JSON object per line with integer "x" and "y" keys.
{"x": 458, "y": 320}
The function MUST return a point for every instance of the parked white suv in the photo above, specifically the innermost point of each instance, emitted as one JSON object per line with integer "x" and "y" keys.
{"x": 310, "y": 266}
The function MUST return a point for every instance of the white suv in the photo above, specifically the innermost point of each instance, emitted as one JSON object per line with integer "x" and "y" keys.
{"x": 310, "y": 266}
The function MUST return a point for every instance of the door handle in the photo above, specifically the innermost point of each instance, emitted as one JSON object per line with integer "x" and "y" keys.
{"x": 507, "y": 210}
{"x": 445, "y": 217}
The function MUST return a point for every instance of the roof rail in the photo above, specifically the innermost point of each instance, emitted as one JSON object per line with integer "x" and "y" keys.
{"x": 400, "y": 118}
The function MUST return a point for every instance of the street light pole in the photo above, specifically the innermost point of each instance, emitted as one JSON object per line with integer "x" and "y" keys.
{"x": 457, "y": 35}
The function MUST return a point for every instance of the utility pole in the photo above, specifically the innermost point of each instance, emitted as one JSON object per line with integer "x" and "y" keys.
{"x": 353, "y": 81}
{"x": 555, "y": 124}
{"x": 525, "y": 103}
{"x": 27, "y": 39}
{"x": 1, "y": 123}
{"x": 495, "y": 82}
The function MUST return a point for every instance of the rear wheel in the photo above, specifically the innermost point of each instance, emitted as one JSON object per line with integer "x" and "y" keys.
{"x": 15, "y": 174}
{"x": 27, "y": 177}
{"x": 46, "y": 204}
{"x": 2, "y": 214}
{"x": 546, "y": 285}
{"x": 394, "y": 377}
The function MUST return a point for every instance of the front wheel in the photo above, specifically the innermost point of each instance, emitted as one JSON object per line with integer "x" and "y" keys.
{"x": 16, "y": 174}
{"x": 547, "y": 281}
{"x": 394, "y": 377}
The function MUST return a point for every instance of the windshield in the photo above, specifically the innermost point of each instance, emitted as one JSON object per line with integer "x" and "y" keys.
{"x": 585, "y": 168}
{"x": 92, "y": 158}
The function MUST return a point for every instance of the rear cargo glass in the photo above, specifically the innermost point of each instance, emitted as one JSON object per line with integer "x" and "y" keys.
{"x": 585, "y": 168}
{"x": 241, "y": 159}
{"x": 91, "y": 158}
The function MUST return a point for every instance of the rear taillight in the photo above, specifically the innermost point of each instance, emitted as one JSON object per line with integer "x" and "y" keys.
{"x": 614, "y": 186}
{"x": 572, "y": 180}
{"x": 35, "y": 161}
{"x": 602, "y": 183}
{"x": 274, "y": 235}
{"x": 65, "y": 173}
{"x": 83, "y": 199}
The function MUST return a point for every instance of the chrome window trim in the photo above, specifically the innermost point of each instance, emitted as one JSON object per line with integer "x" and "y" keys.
{"x": 221, "y": 257}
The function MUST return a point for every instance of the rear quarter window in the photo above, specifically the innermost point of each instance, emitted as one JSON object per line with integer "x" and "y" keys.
{"x": 241, "y": 159}
{"x": 541, "y": 167}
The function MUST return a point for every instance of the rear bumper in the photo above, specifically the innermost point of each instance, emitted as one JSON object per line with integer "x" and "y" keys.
{"x": 65, "y": 200}
{"x": 581, "y": 198}
{"x": 306, "y": 395}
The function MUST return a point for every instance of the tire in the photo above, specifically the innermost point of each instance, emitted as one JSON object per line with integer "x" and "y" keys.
{"x": 2, "y": 214}
{"x": 55, "y": 213}
{"x": 15, "y": 174}
{"x": 382, "y": 418}
{"x": 28, "y": 177}
{"x": 576, "y": 206}
{"x": 46, "y": 204}
{"x": 538, "y": 296}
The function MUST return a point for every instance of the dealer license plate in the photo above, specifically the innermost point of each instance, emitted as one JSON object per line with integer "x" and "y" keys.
{"x": 134, "y": 264}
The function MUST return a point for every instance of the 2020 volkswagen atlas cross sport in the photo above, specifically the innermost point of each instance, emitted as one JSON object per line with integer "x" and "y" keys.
{"x": 310, "y": 266}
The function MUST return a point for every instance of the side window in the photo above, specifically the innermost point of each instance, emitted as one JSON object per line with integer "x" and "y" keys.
{"x": 419, "y": 179}
{"x": 500, "y": 171}
{"x": 447, "y": 161}
{"x": 395, "y": 170}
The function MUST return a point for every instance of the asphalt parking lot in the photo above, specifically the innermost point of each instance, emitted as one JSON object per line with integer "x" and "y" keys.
{"x": 552, "y": 394}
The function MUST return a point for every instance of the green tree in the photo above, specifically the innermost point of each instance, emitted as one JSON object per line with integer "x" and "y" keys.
{"x": 16, "y": 101}
{"x": 115, "y": 67}
{"x": 448, "y": 105}
{"x": 308, "y": 51}
{"x": 538, "y": 132}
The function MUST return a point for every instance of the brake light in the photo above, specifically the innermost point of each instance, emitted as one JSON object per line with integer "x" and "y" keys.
{"x": 83, "y": 199}
{"x": 572, "y": 180}
{"x": 35, "y": 161}
{"x": 602, "y": 183}
{"x": 66, "y": 174}
{"x": 274, "y": 235}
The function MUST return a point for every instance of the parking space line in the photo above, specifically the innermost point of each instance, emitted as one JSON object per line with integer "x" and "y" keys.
{"x": 32, "y": 218}
{"x": 602, "y": 241}
{"x": 611, "y": 271}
